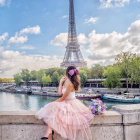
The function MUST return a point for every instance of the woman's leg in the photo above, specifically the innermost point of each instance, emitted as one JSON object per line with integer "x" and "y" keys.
{"x": 48, "y": 132}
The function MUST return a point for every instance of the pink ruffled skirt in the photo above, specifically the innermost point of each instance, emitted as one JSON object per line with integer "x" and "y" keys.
{"x": 69, "y": 118}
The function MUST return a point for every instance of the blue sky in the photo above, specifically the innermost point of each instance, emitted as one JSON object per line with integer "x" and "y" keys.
{"x": 41, "y": 26}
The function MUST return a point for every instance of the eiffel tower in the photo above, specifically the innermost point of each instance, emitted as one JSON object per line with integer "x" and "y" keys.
{"x": 73, "y": 55}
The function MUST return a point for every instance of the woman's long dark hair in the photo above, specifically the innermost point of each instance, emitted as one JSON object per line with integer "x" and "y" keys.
{"x": 75, "y": 79}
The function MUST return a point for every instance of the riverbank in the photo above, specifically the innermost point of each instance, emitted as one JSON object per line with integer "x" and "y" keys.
{"x": 121, "y": 123}
{"x": 49, "y": 91}
{"x": 35, "y": 89}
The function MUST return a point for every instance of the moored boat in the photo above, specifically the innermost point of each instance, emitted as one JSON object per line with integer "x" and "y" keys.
{"x": 53, "y": 94}
{"x": 121, "y": 98}
{"x": 87, "y": 96}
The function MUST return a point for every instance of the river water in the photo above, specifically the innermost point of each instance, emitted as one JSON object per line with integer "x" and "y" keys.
{"x": 14, "y": 102}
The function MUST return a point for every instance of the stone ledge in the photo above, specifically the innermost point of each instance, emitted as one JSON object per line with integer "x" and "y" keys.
{"x": 130, "y": 108}
{"x": 18, "y": 117}
{"x": 17, "y": 125}
{"x": 109, "y": 117}
{"x": 28, "y": 117}
{"x": 130, "y": 113}
{"x": 122, "y": 123}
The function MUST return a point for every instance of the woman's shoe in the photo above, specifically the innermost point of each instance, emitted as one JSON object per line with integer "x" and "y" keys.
{"x": 52, "y": 132}
{"x": 44, "y": 138}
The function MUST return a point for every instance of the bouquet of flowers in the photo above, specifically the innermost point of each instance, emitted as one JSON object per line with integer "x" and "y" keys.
{"x": 97, "y": 106}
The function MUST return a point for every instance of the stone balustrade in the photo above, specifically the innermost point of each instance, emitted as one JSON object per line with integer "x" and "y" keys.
{"x": 120, "y": 123}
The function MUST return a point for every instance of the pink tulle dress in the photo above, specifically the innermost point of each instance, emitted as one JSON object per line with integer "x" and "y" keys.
{"x": 69, "y": 118}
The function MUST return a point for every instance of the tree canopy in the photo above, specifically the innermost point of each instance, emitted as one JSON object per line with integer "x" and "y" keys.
{"x": 126, "y": 65}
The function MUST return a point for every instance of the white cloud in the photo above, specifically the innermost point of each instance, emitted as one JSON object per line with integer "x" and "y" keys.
{"x": 5, "y": 2}
{"x": 65, "y": 16}
{"x": 2, "y": 2}
{"x": 92, "y": 20}
{"x": 9, "y": 54}
{"x": 1, "y": 49}
{"x": 60, "y": 40}
{"x": 134, "y": 28}
{"x": 13, "y": 62}
{"x": 18, "y": 39}
{"x": 82, "y": 39}
{"x": 27, "y": 47}
{"x": 31, "y": 30}
{"x": 104, "y": 47}
{"x": 113, "y": 3}
{"x": 3, "y": 37}
{"x": 22, "y": 36}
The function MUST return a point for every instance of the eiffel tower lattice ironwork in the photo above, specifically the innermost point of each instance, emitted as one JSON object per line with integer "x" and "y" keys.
{"x": 73, "y": 55}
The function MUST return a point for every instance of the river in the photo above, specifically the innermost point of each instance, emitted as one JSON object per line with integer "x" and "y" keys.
{"x": 14, "y": 102}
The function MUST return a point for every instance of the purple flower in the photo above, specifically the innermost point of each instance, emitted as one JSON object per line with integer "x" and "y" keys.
{"x": 97, "y": 106}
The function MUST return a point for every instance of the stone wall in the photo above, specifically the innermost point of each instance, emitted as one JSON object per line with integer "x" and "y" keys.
{"x": 120, "y": 123}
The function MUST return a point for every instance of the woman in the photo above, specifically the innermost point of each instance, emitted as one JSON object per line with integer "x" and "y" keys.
{"x": 67, "y": 116}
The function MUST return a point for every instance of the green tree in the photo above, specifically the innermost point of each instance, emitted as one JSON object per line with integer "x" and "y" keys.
{"x": 134, "y": 71}
{"x": 40, "y": 74}
{"x": 113, "y": 76}
{"x": 87, "y": 70}
{"x": 25, "y": 74}
{"x": 61, "y": 71}
{"x": 55, "y": 78}
{"x": 46, "y": 80}
{"x": 33, "y": 75}
{"x": 124, "y": 63}
{"x": 83, "y": 77}
{"x": 97, "y": 71}
{"x": 18, "y": 79}
{"x": 50, "y": 71}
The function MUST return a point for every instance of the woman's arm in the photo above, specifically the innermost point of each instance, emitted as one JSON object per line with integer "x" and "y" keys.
{"x": 60, "y": 88}
{"x": 61, "y": 85}
{"x": 68, "y": 90}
